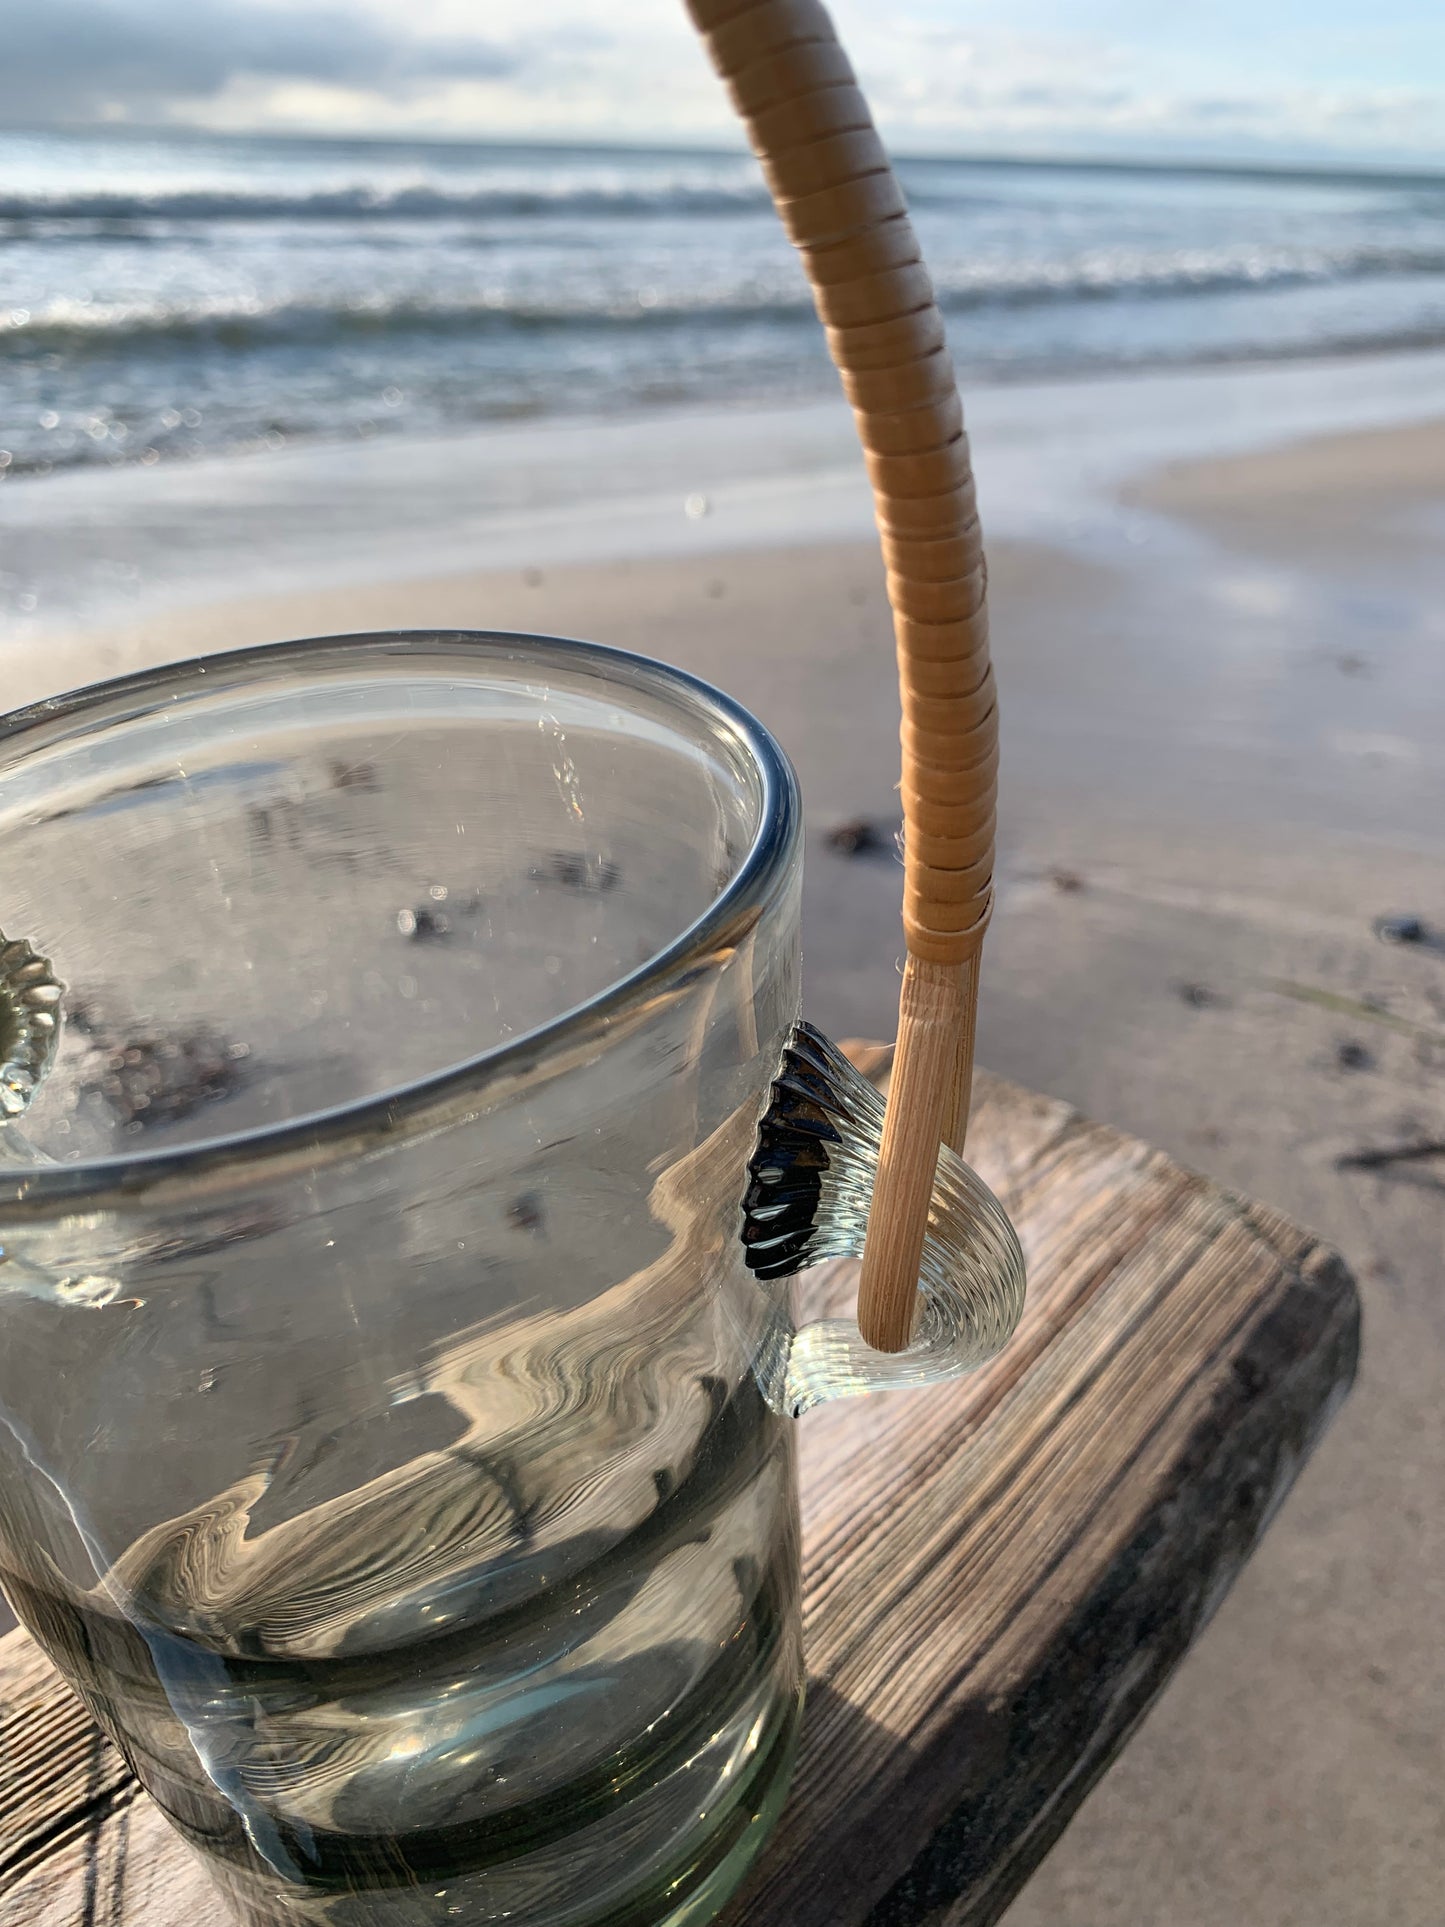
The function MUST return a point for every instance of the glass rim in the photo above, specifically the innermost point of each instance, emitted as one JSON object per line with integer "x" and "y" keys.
{"x": 398, "y": 1113}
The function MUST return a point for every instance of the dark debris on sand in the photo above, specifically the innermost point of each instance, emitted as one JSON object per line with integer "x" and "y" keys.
{"x": 1199, "y": 996}
{"x": 1406, "y": 928}
{"x": 149, "y": 1077}
{"x": 577, "y": 871}
{"x": 524, "y": 1213}
{"x": 857, "y": 837}
{"x": 423, "y": 924}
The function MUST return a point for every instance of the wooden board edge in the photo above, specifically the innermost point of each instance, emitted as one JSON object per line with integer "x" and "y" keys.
{"x": 1147, "y": 1610}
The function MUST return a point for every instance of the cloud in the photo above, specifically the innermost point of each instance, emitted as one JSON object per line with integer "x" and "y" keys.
{"x": 86, "y": 60}
{"x": 1090, "y": 77}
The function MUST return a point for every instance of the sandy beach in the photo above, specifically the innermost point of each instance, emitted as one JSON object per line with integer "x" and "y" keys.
{"x": 1220, "y": 644}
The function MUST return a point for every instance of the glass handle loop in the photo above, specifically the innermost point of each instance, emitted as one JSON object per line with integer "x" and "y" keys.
{"x": 30, "y": 997}
{"x": 810, "y": 1183}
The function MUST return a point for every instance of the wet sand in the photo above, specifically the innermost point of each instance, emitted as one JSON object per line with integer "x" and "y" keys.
{"x": 1224, "y": 704}
{"x": 1367, "y": 489}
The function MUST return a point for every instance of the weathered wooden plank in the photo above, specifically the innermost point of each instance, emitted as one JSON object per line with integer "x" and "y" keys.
{"x": 999, "y": 1575}
{"x": 48, "y": 1752}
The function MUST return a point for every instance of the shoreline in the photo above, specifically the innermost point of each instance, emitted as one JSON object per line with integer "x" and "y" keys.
{"x": 1070, "y": 463}
{"x": 1231, "y": 668}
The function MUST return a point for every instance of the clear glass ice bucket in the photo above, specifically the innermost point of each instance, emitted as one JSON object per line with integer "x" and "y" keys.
{"x": 396, "y": 1364}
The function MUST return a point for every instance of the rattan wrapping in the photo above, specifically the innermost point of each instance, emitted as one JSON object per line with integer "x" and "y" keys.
{"x": 843, "y": 209}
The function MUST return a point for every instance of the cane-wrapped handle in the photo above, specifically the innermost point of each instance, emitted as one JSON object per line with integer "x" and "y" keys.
{"x": 844, "y": 211}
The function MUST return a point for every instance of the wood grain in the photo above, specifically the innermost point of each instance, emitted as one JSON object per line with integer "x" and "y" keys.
{"x": 999, "y": 1574}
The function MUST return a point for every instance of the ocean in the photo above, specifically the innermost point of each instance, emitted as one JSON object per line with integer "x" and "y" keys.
{"x": 172, "y": 296}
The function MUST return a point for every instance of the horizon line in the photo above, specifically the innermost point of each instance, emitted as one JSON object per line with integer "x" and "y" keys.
{"x": 1241, "y": 168}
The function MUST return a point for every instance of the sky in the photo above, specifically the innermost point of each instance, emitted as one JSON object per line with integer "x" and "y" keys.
{"x": 1274, "y": 80}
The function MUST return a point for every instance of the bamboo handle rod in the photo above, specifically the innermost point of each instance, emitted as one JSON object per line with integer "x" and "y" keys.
{"x": 837, "y": 196}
